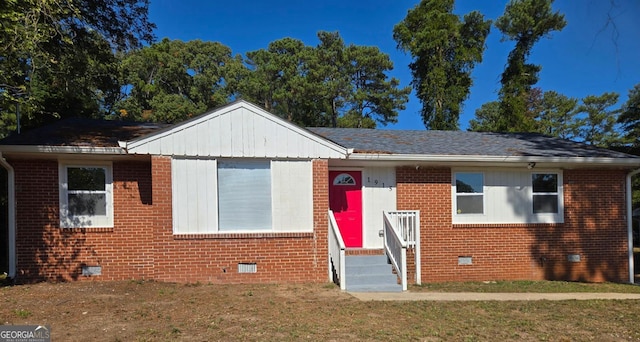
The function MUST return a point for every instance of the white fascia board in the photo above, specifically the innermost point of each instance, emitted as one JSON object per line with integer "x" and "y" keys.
{"x": 421, "y": 158}
{"x": 62, "y": 149}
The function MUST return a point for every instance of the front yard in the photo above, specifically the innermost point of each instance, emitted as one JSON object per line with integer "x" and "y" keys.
{"x": 153, "y": 311}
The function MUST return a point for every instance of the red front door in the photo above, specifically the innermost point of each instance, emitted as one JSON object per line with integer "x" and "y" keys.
{"x": 345, "y": 200}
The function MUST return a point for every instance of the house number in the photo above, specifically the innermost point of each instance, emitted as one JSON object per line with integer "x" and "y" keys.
{"x": 375, "y": 181}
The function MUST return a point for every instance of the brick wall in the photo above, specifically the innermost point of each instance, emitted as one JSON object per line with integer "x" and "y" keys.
{"x": 46, "y": 252}
{"x": 594, "y": 228}
{"x": 141, "y": 244}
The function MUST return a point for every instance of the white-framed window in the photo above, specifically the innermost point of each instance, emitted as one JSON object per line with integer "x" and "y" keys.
{"x": 86, "y": 194}
{"x": 469, "y": 193}
{"x": 545, "y": 197}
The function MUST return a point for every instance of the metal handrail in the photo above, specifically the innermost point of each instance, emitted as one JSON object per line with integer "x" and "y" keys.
{"x": 396, "y": 248}
{"x": 337, "y": 255}
{"x": 407, "y": 224}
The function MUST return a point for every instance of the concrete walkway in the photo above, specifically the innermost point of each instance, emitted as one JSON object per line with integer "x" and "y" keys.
{"x": 474, "y": 296}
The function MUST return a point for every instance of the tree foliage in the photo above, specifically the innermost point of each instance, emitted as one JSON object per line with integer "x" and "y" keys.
{"x": 630, "y": 117}
{"x": 445, "y": 50}
{"x": 57, "y": 56}
{"x": 525, "y": 22}
{"x": 557, "y": 116}
{"x": 598, "y": 120}
{"x": 171, "y": 81}
{"x": 331, "y": 84}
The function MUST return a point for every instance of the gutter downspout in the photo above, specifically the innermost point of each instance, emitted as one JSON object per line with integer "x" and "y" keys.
{"x": 11, "y": 215}
{"x": 630, "y": 223}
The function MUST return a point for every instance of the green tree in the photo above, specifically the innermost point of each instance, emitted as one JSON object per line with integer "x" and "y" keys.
{"x": 486, "y": 118}
{"x": 630, "y": 117}
{"x": 597, "y": 120}
{"x": 557, "y": 116}
{"x": 331, "y": 84}
{"x": 525, "y": 22}
{"x": 277, "y": 80}
{"x": 171, "y": 81}
{"x": 56, "y": 56}
{"x": 445, "y": 50}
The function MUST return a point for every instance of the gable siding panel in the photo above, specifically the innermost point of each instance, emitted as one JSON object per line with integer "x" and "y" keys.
{"x": 241, "y": 130}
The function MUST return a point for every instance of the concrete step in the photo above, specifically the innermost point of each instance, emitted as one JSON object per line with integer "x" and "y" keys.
{"x": 374, "y": 288}
{"x": 370, "y": 273}
{"x": 362, "y": 260}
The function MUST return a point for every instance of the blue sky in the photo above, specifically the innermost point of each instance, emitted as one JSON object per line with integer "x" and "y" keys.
{"x": 583, "y": 59}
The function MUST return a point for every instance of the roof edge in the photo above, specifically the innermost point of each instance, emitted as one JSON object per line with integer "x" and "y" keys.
{"x": 62, "y": 149}
{"x": 631, "y": 162}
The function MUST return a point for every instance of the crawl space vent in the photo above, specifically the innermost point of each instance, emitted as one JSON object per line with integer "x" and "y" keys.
{"x": 89, "y": 271}
{"x": 247, "y": 267}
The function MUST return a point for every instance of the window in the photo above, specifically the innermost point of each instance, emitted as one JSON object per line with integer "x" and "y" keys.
{"x": 86, "y": 196}
{"x": 344, "y": 179}
{"x": 244, "y": 195}
{"x": 469, "y": 189}
{"x": 545, "y": 193}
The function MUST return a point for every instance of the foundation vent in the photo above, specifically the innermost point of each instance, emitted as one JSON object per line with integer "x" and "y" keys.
{"x": 465, "y": 260}
{"x": 247, "y": 268}
{"x": 89, "y": 271}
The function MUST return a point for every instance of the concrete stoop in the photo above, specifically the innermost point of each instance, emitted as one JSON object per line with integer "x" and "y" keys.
{"x": 370, "y": 273}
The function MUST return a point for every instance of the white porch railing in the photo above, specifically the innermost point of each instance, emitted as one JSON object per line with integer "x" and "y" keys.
{"x": 396, "y": 248}
{"x": 337, "y": 258}
{"x": 407, "y": 224}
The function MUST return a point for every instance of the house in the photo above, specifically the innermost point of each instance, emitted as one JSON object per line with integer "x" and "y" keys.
{"x": 238, "y": 195}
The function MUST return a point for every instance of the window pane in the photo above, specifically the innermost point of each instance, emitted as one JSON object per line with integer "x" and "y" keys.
{"x": 86, "y": 178}
{"x": 545, "y": 182}
{"x": 470, "y": 204}
{"x": 545, "y": 204}
{"x": 244, "y": 195}
{"x": 87, "y": 204}
{"x": 469, "y": 182}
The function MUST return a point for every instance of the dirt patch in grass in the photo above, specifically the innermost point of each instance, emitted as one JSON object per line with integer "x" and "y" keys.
{"x": 153, "y": 311}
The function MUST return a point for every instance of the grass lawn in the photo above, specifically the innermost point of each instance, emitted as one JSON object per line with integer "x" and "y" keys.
{"x": 154, "y": 311}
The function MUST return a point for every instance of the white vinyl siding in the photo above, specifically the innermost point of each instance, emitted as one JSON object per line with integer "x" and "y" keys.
{"x": 292, "y": 186}
{"x": 244, "y": 195}
{"x": 195, "y": 202}
{"x": 86, "y": 194}
{"x": 240, "y": 130}
{"x": 508, "y": 198}
{"x": 379, "y": 194}
{"x": 241, "y": 195}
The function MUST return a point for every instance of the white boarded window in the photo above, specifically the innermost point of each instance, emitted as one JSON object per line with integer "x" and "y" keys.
{"x": 195, "y": 206}
{"x": 86, "y": 198}
{"x": 292, "y": 191}
{"x": 244, "y": 195}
